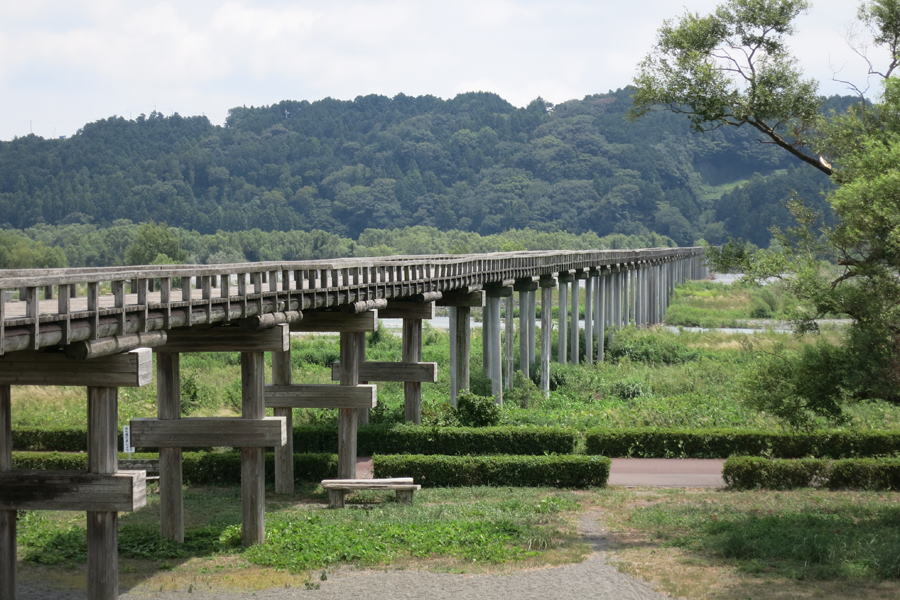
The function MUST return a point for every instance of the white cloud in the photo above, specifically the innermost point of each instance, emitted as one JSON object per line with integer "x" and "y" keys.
{"x": 64, "y": 64}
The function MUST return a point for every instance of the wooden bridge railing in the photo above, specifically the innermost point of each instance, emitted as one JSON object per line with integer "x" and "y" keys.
{"x": 57, "y": 307}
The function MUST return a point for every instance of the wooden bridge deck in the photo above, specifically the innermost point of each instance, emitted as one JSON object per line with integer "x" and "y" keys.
{"x": 56, "y": 307}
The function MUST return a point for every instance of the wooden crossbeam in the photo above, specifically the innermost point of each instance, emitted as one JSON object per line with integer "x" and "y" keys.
{"x": 337, "y": 322}
{"x": 462, "y": 299}
{"x": 320, "y": 396}
{"x": 129, "y": 369}
{"x": 392, "y": 371}
{"x": 407, "y": 310}
{"x": 202, "y": 432}
{"x": 72, "y": 490}
{"x": 228, "y": 339}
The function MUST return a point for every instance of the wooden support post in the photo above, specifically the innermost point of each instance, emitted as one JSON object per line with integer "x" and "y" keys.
{"x": 168, "y": 402}
{"x": 602, "y": 314}
{"x": 562, "y": 348}
{"x": 412, "y": 353}
{"x": 284, "y": 455}
{"x": 463, "y": 343}
{"x": 102, "y": 526}
{"x": 362, "y": 413}
{"x": 532, "y": 317}
{"x": 508, "y": 359}
{"x": 452, "y": 325}
{"x": 574, "y": 338}
{"x": 492, "y": 333}
{"x": 589, "y": 319}
{"x": 7, "y": 517}
{"x": 524, "y": 363}
{"x": 348, "y": 418}
{"x": 253, "y": 489}
{"x": 547, "y": 286}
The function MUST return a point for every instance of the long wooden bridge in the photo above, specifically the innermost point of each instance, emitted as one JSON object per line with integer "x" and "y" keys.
{"x": 95, "y": 327}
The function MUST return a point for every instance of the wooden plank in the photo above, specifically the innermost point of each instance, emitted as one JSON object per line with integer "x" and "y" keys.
{"x": 284, "y": 455}
{"x": 399, "y": 309}
{"x": 462, "y": 299}
{"x": 7, "y": 517}
{"x": 102, "y": 526}
{"x": 381, "y": 480}
{"x": 228, "y": 339}
{"x": 130, "y": 369}
{"x": 320, "y": 396}
{"x": 201, "y": 432}
{"x": 336, "y": 322}
{"x": 253, "y": 466}
{"x": 72, "y": 490}
{"x": 90, "y": 349}
{"x": 168, "y": 402}
{"x": 371, "y": 486}
{"x": 422, "y": 372}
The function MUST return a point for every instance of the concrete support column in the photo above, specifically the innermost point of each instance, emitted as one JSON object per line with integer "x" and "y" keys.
{"x": 102, "y": 526}
{"x": 461, "y": 340}
{"x": 284, "y": 455}
{"x": 412, "y": 352}
{"x": 7, "y": 517}
{"x": 589, "y": 319}
{"x": 547, "y": 285}
{"x": 575, "y": 334}
{"x": 562, "y": 348}
{"x": 168, "y": 402}
{"x": 602, "y": 309}
{"x": 492, "y": 335}
{"x": 524, "y": 363}
{"x": 532, "y": 319}
{"x": 510, "y": 335}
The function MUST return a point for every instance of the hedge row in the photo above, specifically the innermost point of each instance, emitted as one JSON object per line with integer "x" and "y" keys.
{"x": 750, "y": 472}
{"x": 634, "y": 442}
{"x": 374, "y": 439}
{"x": 722, "y": 443}
{"x": 569, "y": 471}
{"x": 201, "y": 468}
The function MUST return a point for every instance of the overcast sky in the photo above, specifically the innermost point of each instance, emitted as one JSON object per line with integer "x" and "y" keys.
{"x": 64, "y": 63}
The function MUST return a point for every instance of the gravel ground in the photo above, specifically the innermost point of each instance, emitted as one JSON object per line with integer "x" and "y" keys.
{"x": 592, "y": 578}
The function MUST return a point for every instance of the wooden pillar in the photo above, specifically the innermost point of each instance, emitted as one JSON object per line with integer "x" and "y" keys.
{"x": 574, "y": 340}
{"x": 532, "y": 318}
{"x": 102, "y": 526}
{"x": 454, "y": 371}
{"x": 589, "y": 319}
{"x": 168, "y": 403}
{"x": 253, "y": 490}
{"x": 547, "y": 286}
{"x": 508, "y": 359}
{"x": 562, "y": 347}
{"x": 463, "y": 334}
{"x": 348, "y": 418}
{"x": 412, "y": 352}
{"x": 362, "y": 414}
{"x": 492, "y": 334}
{"x": 602, "y": 312}
{"x": 524, "y": 363}
{"x": 284, "y": 455}
{"x": 7, "y": 517}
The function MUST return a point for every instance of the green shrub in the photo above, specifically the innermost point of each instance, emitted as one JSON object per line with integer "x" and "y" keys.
{"x": 523, "y": 393}
{"x": 575, "y": 471}
{"x": 746, "y": 472}
{"x": 203, "y": 468}
{"x": 628, "y": 389}
{"x": 476, "y": 411}
{"x": 647, "y": 442}
{"x": 647, "y": 347}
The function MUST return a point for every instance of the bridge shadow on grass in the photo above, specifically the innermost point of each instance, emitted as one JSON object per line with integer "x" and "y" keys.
{"x": 53, "y": 545}
{"x": 791, "y": 547}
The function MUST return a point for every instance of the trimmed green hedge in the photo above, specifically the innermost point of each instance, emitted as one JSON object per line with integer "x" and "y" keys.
{"x": 721, "y": 443}
{"x": 570, "y": 471}
{"x": 201, "y": 468}
{"x": 751, "y": 472}
{"x": 373, "y": 439}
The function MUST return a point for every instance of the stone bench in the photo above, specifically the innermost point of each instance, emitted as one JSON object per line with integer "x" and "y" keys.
{"x": 338, "y": 488}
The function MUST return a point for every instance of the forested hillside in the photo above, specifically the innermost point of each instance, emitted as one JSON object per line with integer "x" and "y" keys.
{"x": 474, "y": 163}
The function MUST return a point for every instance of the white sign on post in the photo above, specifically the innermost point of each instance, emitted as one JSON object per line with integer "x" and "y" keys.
{"x": 126, "y": 440}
